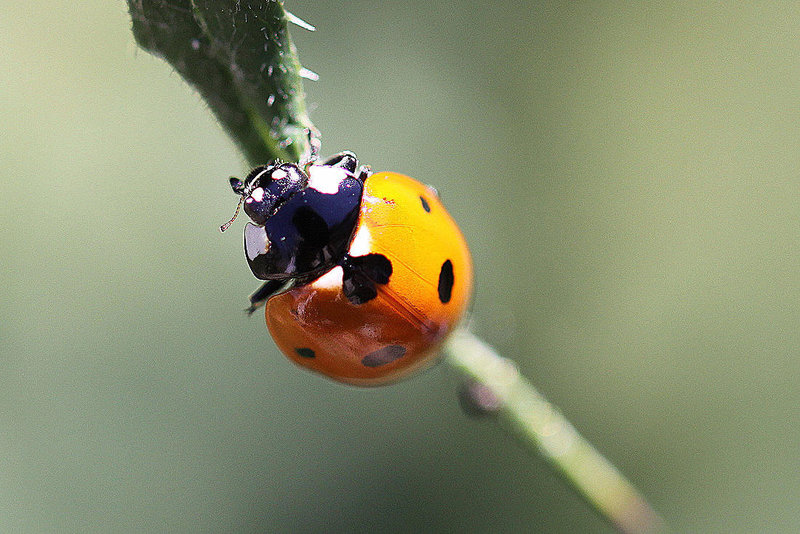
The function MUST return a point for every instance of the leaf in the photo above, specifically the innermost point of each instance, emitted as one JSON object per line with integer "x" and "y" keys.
{"x": 241, "y": 59}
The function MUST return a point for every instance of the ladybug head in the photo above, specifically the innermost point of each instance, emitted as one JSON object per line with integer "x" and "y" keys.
{"x": 267, "y": 188}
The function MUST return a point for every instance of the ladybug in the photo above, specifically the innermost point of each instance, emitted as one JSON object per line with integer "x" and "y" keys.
{"x": 365, "y": 273}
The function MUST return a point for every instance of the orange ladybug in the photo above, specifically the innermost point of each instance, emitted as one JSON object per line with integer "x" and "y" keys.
{"x": 366, "y": 274}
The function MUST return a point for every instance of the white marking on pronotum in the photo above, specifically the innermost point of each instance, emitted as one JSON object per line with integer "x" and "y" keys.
{"x": 279, "y": 174}
{"x": 325, "y": 179}
{"x": 300, "y": 22}
{"x": 330, "y": 280}
{"x": 308, "y": 74}
{"x": 255, "y": 241}
{"x": 361, "y": 242}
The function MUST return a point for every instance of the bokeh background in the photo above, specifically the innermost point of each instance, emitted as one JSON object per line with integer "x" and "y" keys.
{"x": 626, "y": 175}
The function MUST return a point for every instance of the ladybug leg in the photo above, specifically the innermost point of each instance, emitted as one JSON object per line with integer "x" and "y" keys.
{"x": 362, "y": 274}
{"x": 263, "y": 293}
{"x": 346, "y": 160}
{"x": 364, "y": 172}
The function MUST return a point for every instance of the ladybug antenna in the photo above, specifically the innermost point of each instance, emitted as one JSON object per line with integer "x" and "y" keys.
{"x": 235, "y": 214}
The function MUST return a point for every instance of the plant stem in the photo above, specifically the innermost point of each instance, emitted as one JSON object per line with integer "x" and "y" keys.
{"x": 542, "y": 428}
{"x": 241, "y": 59}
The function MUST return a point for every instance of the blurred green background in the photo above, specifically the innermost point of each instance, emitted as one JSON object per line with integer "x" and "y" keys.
{"x": 626, "y": 176}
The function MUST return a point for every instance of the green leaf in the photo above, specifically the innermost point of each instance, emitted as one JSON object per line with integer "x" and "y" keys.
{"x": 240, "y": 57}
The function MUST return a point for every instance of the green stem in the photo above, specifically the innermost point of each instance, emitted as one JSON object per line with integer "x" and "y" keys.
{"x": 241, "y": 59}
{"x": 541, "y": 427}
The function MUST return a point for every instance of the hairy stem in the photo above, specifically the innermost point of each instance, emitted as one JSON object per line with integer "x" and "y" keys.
{"x": 240, "y": 58}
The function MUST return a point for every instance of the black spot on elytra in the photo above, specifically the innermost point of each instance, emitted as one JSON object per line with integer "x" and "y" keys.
{"x": 425, "y": 205}
{"x": 362, "y": 274}
{"x": 387, "y": 354}
{"x": 446, "y": 282}
{"x": 305, "y": 353}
